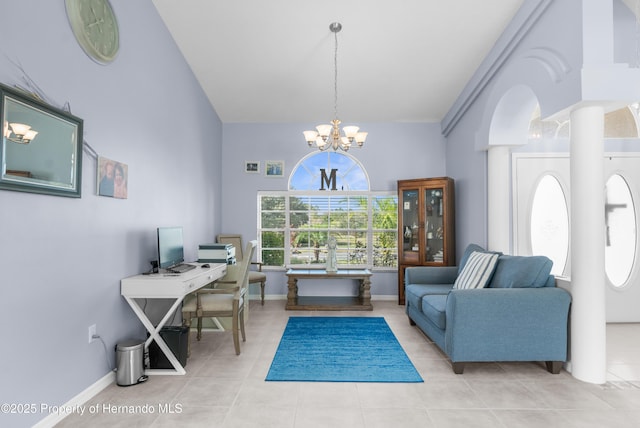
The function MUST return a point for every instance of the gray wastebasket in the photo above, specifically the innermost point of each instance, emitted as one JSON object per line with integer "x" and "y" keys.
{"x": 130, "y": 362}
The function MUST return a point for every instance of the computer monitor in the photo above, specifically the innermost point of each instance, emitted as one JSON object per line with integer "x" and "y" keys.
{"x": 170, "y": 246}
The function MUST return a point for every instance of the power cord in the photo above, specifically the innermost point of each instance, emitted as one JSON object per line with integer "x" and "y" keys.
{"x": 106, "y": 353}
{"x": 175, "y": 314}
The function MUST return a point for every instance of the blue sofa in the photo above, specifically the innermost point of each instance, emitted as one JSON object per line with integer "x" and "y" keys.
{"x": 520, "y": 315}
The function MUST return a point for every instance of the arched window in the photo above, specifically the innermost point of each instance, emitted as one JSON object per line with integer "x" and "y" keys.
{"x": 349, "y": 173}
{"x": 328, "y": 196}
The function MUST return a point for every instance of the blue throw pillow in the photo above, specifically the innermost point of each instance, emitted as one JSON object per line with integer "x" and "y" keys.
{"x": 521, "y": 272}
{"x": 477, "y": 270}
{"x": 467, "y": 252}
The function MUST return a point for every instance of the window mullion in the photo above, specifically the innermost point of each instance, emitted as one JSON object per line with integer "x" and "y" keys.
{"x": 369, "y": 231}
{"x": 287, "y": 232}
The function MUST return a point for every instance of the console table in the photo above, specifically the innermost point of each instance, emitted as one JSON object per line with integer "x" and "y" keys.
{"x": 361, "y": 302}
{"x": 167, "y": 286}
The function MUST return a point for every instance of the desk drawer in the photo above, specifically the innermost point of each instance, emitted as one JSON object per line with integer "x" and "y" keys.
{"x": 201, "y": 281}
{"x": 170, "y": 285}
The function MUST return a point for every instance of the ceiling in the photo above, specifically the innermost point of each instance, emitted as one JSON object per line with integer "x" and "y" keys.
{"x": 272, "y": 61}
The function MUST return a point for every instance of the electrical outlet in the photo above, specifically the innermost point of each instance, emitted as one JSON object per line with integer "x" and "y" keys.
{"x": 92, "y": 331}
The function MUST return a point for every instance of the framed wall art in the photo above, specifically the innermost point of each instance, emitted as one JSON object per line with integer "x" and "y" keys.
{"x": 274, "y": 168}
{"x": 113, "y": 178}
{"x": 252, "y": 167}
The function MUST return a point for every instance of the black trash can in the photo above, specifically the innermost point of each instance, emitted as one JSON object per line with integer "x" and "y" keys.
{"x": 176, "y": 337}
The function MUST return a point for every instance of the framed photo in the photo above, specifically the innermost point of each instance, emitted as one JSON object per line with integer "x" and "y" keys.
{"x": 113, "y": 178}
{"x": 274, "y": 168}
{"x": 252, "y": 167}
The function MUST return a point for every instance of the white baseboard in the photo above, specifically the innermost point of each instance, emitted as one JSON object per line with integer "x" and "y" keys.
{"x": 379, "y": 297}
{"x": 385, "y": 297}
{"x": 78, "y": 400}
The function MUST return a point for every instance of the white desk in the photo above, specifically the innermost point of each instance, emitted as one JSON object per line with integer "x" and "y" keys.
{"x": 167, "y": 286}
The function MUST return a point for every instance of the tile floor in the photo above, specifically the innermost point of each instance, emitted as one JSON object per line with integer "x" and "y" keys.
{"x": 225, "y": 390}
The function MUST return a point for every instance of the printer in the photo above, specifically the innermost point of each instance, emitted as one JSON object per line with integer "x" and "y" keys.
{"x": 217, "y": 253}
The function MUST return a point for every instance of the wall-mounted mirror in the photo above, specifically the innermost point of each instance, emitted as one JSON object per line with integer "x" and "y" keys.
{"x": 41, "y": 146}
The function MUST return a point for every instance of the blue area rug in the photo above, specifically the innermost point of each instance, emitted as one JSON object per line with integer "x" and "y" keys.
{"x": 340, "y": 349}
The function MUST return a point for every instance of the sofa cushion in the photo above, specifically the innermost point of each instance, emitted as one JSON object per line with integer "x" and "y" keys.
{"x": 467, "y": 252}
{"x": 434, "y": 307}
{"x": 521, "y": 272}
{"x": 415, "y": 292}
{"x": 477, "y": 271}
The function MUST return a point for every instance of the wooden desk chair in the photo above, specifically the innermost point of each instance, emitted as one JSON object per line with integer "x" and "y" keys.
{"x": 255, "y": 276}
{"x": 226, "y": 299}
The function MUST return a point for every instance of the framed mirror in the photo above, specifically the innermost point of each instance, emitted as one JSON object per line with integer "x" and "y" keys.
{"x": 41, "y": 146}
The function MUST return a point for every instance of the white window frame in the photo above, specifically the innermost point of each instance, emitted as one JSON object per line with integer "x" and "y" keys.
{"x": 370, "y": 195}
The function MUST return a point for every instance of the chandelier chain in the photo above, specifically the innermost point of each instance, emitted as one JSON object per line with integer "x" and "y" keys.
{"x": 637, "y": 29}
{"x": 335, "y": 76}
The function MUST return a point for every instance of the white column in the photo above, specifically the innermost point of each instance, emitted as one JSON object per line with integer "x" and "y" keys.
{"x": 498, "y": 201}
{"x": 588, "y": 321}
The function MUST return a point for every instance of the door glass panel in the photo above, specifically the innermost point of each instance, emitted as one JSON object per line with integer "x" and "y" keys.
{"x": 550, "y": 223}
{"x": 434, "y": 227}
{"x": 620, "y": 239}
{"x": 410, "y": 236}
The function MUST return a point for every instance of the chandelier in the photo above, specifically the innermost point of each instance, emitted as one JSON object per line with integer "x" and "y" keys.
{"x": 19, "y": 133}
{"x": 327, "y": 136}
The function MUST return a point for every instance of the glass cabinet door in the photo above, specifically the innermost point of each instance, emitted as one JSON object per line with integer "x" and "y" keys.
{"x": 411, "y": 225}
{"x": 426, "y": 225}
{"x": 434, "y": 226}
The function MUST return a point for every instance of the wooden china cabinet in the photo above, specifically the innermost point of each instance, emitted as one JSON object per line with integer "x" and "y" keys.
{"x": 426, "y": 225}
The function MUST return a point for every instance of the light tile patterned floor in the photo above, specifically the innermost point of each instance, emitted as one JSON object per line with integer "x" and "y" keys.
{"x": 228, "y": 391}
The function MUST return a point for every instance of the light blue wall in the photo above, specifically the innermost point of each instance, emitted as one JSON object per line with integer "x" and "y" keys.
{"x": 544, "y": 52}
{"x": 391, "y": 152}
{"x": 62, "y": 259}
{"x": 509, "y": 64}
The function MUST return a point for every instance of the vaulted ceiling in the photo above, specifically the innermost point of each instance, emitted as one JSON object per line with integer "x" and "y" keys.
{"x": 273, "y": 61}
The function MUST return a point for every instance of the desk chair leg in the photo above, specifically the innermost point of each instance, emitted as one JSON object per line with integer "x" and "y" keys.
{"x": 241, "y": 315}
{"x": 262, "y": 293}
{"x": 234, "y": 329}
{"x": 199, "y": 335}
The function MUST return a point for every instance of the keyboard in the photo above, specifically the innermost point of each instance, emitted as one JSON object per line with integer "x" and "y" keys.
{"x": 181, "y": 268}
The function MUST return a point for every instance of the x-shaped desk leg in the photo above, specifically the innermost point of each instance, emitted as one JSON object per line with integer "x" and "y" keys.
{"x": 154, "y": 334}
